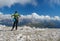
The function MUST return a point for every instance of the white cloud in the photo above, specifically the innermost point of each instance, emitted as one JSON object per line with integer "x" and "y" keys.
{"x": 52, "y": 3}
{"x": 33, "y": 16}
{"x": 23, "y": 2}
{"x": 57, "y": 18}
{"x": 11, "y": 2}
{"x": 55, "y": 1}
{"x": 4, "y": 16}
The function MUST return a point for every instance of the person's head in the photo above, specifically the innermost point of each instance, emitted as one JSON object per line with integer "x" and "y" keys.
{"x": 15, "y": 11}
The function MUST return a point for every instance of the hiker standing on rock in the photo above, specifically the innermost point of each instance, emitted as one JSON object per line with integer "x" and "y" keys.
{"x": 16, "y": 18}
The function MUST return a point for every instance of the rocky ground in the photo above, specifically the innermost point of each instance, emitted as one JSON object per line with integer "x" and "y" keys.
{"x": 27, "y": 33}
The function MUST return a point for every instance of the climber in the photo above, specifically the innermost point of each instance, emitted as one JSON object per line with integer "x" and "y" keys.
{"x": 16, "y": 18}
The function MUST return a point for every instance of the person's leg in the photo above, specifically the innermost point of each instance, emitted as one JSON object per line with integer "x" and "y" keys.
{"x": 13, "y": 26}
{"x": 16, "y": 24}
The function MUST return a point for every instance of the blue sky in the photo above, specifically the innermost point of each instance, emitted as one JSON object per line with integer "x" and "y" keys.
{"x": 41, "y": 7}
{"x": 34, "y": 10}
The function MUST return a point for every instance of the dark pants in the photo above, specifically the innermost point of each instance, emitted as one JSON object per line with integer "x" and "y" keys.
{"x": 15, "y": 24}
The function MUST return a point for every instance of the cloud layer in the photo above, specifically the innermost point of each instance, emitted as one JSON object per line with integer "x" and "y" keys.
{"x": 52, "y": 2}
{"x": 55, "y": 1}
{"x": 42, "y": 17}
{"x": 23, "y": 2}
{"x": 11, "y": 2}
{"x": 32, "y": 16}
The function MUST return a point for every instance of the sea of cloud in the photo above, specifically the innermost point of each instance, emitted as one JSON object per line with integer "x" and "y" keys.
{"x": 32, "y": 16}
{"x": 6, "y": 19}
